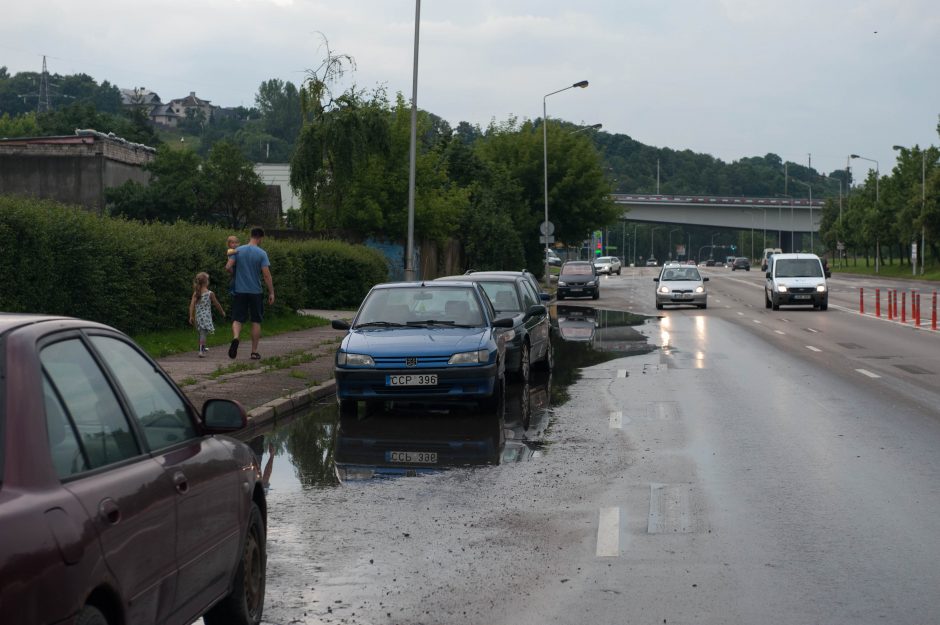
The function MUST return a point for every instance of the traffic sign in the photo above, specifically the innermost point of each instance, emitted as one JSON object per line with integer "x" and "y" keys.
{"x": 547, "y": 225}
{"x": 549, "y": 239}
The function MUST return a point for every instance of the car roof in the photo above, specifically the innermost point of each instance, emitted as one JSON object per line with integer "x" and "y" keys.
{"x": 461, "y": 282}
{"x": 483, "y": 277}
{"x": 795, "y": 255}
{"x": 11, "y": 321}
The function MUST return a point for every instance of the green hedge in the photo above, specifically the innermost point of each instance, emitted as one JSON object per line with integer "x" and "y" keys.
{"x": 137, "y": 277}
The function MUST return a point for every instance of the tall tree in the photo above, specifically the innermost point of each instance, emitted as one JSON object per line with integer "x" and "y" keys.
{"x": 236, "y": 192}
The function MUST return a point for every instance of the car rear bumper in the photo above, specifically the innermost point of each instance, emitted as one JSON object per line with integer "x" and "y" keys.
{"x": 567, "y": 291}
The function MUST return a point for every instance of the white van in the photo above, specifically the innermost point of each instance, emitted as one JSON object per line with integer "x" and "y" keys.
{"x": 768, "y": 252}
{"x": 796, "y": 280}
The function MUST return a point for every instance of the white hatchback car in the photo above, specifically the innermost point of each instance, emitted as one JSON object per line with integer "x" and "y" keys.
{"x": 608, "y": 264}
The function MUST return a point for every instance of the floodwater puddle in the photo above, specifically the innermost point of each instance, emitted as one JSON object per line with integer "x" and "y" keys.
{"x": 319, "y": 449}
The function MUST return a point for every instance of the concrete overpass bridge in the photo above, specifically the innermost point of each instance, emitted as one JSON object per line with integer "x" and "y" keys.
{"x": 788, "y": 216}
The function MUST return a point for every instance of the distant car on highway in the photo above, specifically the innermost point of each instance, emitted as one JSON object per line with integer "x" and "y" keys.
{"x": 552, "y": 258}
{"x": 607, "y": 264}
{"x": 651, "y": 262}
{"x": 578, "y": 278}
{"x": 681, "y": 285}
{"x": 796, "y": 279}
{"x": 741, "y": 263}
{"x": 710, "y": 262}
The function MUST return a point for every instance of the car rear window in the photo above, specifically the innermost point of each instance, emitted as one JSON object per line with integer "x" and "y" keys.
{"x": 578, "y": 269}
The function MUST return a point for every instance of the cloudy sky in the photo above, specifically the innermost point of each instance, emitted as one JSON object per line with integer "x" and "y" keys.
{"x": 731, "y": 78}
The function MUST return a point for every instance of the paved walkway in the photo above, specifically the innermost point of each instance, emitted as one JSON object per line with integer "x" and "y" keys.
{"x": 295, "y": 370}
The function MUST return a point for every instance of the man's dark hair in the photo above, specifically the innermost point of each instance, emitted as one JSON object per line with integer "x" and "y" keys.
{"x": 257, "y": 233}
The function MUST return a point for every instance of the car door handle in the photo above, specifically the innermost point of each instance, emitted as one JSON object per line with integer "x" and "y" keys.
{"x": 109, "y": 511}
{"x": 181, "y": 483}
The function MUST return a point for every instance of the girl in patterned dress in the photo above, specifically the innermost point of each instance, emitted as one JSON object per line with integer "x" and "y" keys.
{"x": 200, "y": 309}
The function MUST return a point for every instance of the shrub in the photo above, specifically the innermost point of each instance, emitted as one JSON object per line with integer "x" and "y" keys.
{"x": 137, "y": 277}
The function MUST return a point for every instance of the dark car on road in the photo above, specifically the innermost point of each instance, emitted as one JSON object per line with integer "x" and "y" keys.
{"x": 578, "y": 278}
{"x": 741, "y": 263}
{"x": 119, "y": 501}
{"x": 513, "y": 296}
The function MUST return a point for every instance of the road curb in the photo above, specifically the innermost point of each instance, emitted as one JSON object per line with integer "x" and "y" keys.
{"x": 268, "y": 413}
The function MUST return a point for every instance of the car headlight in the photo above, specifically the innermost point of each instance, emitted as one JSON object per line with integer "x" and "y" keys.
{"x": 355, "y": 360}
{"x": 592, "y": 282}
{"x": 781, "y": 288}
{"x": 699, "y": 289}
{"x": 562, "y": 283}
{"x": 820, "y": 288}
{"x": 470, "y": 358}
{"x": 663, "y": 289}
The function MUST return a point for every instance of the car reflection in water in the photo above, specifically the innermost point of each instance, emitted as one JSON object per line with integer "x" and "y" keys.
{"x": 576, "y": 323}
{"x": 404, "y": 441}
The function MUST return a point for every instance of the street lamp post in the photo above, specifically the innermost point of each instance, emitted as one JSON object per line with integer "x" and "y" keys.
{"x": 812, "y": 242}
{"x": 412, "y": 155}
{"x": 670, "y": 240}
{"x": 839, "y": 180}
{"x": 582, "y": 84}
{"x": 877, "y": 202}
{"x": 923, "y": 205}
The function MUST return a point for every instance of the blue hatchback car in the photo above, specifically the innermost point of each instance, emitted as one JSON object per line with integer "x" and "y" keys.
{"x": 422, "y": 341}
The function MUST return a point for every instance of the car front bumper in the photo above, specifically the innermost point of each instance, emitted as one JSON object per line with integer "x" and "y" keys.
{"x": 466, "y": 382}
{"x": 696, "y": 299}
{"x": 802, "y": 299}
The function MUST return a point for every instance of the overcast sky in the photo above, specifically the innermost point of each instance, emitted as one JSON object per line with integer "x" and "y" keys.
{"x": 730, "y": 78}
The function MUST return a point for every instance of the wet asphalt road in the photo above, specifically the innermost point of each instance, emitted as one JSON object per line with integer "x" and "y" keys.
{"x": 731, "y": 465}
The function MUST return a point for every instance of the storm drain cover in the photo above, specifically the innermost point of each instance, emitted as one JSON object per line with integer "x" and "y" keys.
{"x": 913, "y": 369}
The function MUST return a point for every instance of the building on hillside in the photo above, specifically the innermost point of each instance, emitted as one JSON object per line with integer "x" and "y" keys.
{"x": 74, "y": 169}
{"x": 140, "y": 98}
{"x": 278, "y": 174}
{"x": 192, "y": 105}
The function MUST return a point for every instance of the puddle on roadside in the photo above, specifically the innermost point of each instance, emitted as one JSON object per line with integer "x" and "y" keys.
{"x": 318, "y": 449}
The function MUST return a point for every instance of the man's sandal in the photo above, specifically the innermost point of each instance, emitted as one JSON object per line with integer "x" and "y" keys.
{"x": 255, "y": 356}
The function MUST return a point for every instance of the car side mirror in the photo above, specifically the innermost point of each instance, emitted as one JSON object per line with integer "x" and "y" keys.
{"x": 768, "y": 274}
{"x": 706, "y": 279}
{"x": 223, "y": 415}
{"x": 545, "y": 297}
{"x": 655, "y": 279}
{"x": 339, "y": 324}
{"x": 505, "y": 322}
{"x": 535, "y": 309}
{"x": 828, "y": 274}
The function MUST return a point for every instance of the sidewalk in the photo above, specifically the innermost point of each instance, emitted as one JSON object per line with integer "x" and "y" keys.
{"x": 295, "y": 370}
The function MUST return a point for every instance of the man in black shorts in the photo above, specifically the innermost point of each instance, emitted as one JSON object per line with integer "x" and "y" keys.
{"x": 247, "y": 300}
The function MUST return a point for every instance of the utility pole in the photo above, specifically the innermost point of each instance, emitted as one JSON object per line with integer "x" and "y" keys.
{"x": 43, "y": 105}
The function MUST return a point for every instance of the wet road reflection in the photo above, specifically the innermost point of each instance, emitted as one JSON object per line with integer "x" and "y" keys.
{"x": 318, "y": 449}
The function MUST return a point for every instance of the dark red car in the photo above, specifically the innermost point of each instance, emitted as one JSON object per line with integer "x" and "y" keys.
{"x": 120, "y": 503}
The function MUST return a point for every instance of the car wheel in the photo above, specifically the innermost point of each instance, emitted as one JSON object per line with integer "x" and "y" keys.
{"x": 766, "y": 300}
{"x": 618, "y": 271}
{"x": 824, "y": 306}
{"x": 732, "y": 268}
{"x": 596, "y": 295}
{"x": 90, "y": 615}
{"x": 774, "y": 304}
{"x": 747, "y": 268}
{"x": 244, "y": 604}
{"x": 525, "y": 363}
{"x": 703, "y": 306}
{"x": 659, "y": 306}
{"x": 497, "y": 401}
{"x": 560, "y": 297}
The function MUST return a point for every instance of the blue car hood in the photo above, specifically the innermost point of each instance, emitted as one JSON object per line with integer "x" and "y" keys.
{"x": 414, "y": 341}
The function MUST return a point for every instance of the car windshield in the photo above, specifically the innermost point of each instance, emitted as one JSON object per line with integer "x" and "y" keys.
{"x": 503, "y": 295}
{"x": 681, "y": 273}
{"x": 420, "y": 305}
{"x": 604, "y": 259}
{"x": 577, "y": 269}
{"x": 797, "y": 268}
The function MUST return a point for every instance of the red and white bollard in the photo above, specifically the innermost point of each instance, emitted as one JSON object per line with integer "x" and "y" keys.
{"x": 895, "y": 303}
{"x": 890, "y": 305}
{"x": 933, "y": 315}
{"x": 916, "y": 295}
{"x": 878, "y": 302}
{"x": 903, "y": 307}
{"x": 861, "y": 300}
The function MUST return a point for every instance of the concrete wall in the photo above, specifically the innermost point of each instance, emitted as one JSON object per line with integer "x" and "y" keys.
{"x": 74, "y": 172}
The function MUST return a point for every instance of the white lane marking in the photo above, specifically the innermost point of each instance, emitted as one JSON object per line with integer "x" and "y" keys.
{"x": 616, "y": 419}
{"x": 621, "y": 373}
{"x": 780, "y": 332}
{"x": 740, "y": 313}
{"x": 811, "y": 330}
{"x": 757, "y": 321}
{"x": 608, "y": 533}
{"x": 815, "y": 349}
{"x": 868, "y": 373}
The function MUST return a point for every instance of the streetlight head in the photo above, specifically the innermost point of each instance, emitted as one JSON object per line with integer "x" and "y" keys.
{"x": 898, "y": 147}
{"x": 853, "y": 156}
{"x": 581, "y": 84}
